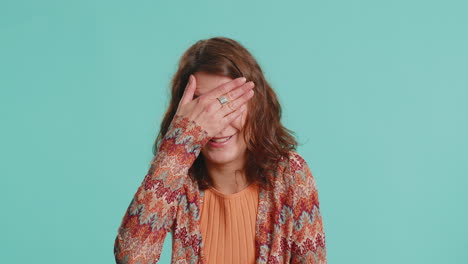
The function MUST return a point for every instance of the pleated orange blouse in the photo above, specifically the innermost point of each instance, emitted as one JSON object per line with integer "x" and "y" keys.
{"x": 228, "y": 225}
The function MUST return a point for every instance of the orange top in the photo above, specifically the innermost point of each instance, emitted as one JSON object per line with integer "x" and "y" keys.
{"x": 228, "y": 225}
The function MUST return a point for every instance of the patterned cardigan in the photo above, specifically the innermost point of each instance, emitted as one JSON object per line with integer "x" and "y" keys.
{"x": 289, "y": 225}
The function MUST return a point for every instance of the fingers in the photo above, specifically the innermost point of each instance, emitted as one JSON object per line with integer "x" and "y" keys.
{"x": 189, "y": 90}
{"x": 232, "y": 116}
{"x": 236, "y": 93}
{"x": 226, "y": 87}
{"x": 209, "y": 102}
{"x": 239, "y": 101}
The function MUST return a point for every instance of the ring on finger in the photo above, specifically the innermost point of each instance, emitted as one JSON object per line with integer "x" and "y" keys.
{"x": 223, "y": 100}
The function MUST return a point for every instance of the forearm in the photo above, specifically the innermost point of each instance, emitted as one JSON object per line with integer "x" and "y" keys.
{"x": 151, "y": 212}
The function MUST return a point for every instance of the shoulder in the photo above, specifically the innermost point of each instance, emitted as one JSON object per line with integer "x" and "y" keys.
{"x": 293, "y": 163}
{"x": 297, "y": 173}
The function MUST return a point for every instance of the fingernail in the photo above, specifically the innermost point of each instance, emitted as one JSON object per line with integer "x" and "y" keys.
{"x": 243, "y": 79}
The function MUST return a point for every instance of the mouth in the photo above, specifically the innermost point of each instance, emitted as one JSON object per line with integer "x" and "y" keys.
{"x": 220, "y": 141}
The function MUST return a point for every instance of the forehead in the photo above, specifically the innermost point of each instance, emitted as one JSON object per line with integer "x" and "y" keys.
{"x": 207, "y": 82}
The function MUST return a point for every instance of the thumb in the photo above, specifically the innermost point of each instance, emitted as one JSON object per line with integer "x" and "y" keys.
{"x": 189, "y": 90}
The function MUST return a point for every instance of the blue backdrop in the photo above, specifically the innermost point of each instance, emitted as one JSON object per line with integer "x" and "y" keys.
{"x": 375, "y": 90}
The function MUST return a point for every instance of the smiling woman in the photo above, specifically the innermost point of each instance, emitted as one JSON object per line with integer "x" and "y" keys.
{"x": 225, "y": 179}
{"x": 228, "y": 148}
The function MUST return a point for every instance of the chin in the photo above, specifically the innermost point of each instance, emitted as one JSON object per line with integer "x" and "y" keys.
{"x": 220, "y": 157}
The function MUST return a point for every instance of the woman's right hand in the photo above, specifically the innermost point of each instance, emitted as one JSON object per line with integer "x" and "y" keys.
{"x": 208, "y": 112}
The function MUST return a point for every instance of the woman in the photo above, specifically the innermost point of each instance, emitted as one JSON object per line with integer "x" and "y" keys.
{"x": 225, "y": 179}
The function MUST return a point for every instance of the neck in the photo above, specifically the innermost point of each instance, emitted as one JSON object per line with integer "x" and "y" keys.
{"x": 227, "y": 178}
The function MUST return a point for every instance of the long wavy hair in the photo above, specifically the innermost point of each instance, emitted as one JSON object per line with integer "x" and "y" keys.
{"x": 267, "y": 140}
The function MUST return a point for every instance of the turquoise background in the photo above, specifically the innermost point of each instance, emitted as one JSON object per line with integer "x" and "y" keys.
{"x": 375, "y": 90}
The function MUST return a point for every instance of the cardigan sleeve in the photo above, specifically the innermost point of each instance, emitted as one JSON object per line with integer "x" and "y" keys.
{"x": 308, "y": 245}
{"x": 152, "y": 210}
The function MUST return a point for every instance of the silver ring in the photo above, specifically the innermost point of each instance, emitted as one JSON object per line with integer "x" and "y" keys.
{"x": 223, "y": 100}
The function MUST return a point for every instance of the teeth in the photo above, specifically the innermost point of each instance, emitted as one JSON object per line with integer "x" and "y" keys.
{"x": 221, "y": 140}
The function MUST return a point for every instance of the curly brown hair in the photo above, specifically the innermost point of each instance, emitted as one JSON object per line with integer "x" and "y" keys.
{"x": 266, "y": 138}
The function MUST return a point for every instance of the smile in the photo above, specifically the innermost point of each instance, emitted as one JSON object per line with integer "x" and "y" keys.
{"x": 219, "y": 142}
{"x": 224, "y": 139}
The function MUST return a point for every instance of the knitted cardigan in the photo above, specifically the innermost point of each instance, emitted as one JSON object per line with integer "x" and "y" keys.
{"x": 289, "y": 225}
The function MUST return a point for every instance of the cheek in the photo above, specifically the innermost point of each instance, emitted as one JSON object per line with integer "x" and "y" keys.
{"x": 239, "y": 122}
